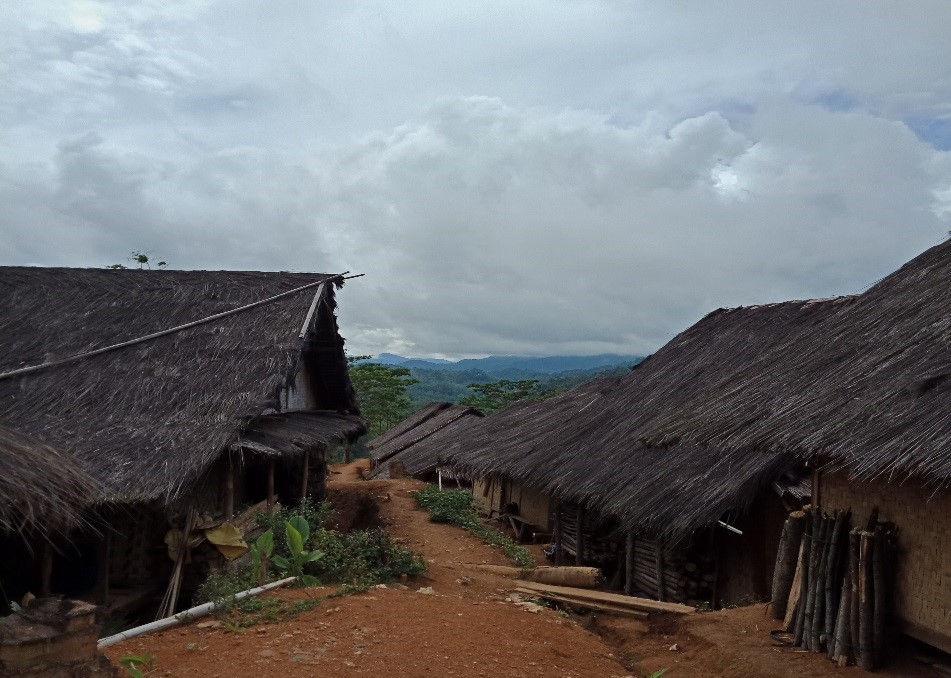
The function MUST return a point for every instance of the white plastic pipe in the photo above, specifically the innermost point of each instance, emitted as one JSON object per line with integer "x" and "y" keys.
{"x": 187, "y": 615}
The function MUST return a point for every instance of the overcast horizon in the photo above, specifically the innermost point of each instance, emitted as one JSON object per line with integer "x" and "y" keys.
{"x": 537, "y": 178}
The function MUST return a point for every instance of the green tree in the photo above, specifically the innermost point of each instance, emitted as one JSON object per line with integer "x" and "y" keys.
{"x": 500, "y": 394}
{"x": 381, "y": 392}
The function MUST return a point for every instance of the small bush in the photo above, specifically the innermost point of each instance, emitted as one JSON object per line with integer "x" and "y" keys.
{"x": 455, "y": 507}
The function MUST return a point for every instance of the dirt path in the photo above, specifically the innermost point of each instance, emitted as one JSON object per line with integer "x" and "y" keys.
{"x": 468, "y": 627}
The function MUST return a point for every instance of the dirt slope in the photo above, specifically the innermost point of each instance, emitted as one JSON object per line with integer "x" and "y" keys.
{"x": 471, "y": 629}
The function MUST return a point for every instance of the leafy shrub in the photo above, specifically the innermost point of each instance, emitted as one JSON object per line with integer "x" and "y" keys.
{"x": 456, "y": 507}
{"x": 362, "y": 558}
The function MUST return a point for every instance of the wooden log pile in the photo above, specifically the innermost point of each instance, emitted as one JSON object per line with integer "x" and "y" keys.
{"x": 666, "y": 573}
{"x": 594, "y": 548}
{"x": 837, "y": 598}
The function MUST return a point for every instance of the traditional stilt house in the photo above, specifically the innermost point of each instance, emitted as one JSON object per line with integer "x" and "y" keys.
{"x": 187, "y": 396}
{"x": 866, "y": 399}
{"x": 680, "y": 521}
{"x": 415, "y": 442}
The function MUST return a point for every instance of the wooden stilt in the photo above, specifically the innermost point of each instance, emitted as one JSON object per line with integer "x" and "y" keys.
{"x": 46, "y": 570}
{"x": 229, "y": 489}
{"x": 270, "y": 485}
{"x": 629, "y": 561}
{"x": 579, "y": 546}
{"x": 661, "y": 594}
{"x": 304, "y": 473}
{"x": 105, "y": 553}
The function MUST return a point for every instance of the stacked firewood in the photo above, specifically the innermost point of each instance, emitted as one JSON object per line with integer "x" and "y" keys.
{"x": 701, "y": 575}
{"x": 658, "y": 567}
{"x": 595, "y": 548}
{"x": 838, "y": 598}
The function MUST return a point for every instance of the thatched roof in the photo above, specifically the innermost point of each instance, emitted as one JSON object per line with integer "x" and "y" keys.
{"x": 380, "y": 445}
{"x": 870, "y": 390}
{"x": 147, "y": 420}
{"x": 585, "y": 445}
{"x": 419, "y": 444}
{"x": 39, "y": 487}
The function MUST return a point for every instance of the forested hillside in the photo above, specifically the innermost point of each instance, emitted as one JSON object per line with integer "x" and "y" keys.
{"x": 449, "y": 381}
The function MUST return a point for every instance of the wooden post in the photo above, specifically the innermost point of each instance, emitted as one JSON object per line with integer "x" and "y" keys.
{"x": 629, "y": 564}
{"x": 346, "y": 454}
{"x": 229, "y": 489}
{"x": 105, "y": 552}
{"x": 661, "y": 595}
{"x": 46, "y": 569}
{"x": 557, "y": 535}
{"x": 579, "y": 545}
{"x": 304, "y": 473}
{"x": 270, "y": 485}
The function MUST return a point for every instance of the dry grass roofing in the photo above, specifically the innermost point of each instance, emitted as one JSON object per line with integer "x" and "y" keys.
{"x": 146, "y": 421}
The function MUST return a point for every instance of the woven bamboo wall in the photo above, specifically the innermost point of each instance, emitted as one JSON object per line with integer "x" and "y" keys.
{"x": 923, "y": 517}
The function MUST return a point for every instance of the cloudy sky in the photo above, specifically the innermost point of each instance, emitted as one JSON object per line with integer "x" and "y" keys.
{"x": 512, "y": 177}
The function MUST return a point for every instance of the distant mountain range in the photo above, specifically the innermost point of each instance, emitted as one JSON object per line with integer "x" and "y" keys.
{"x": 509, "y": 363}
{"x": 512, "y": 364}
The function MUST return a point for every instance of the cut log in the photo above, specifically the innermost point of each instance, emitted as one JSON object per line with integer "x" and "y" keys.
{"x": 841, "y": 646}
{"x": 795, "y": 588}
{"x": 854, "y": 553}
{"x": 833, "y": 583}
{"x": 643, "y": 604}
{"x": 787, "y": 559}
{"x": 866, "y": 649}
{"x": 800, "y": 625}
{"x": 581, "y": 577}
{"x": 879, "y": 606}
{"x": 629, "y": 561}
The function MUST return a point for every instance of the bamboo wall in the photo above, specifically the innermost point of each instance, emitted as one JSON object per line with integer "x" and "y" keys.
{"x": 492, "y": 495}
{"x": 923, "y": 579}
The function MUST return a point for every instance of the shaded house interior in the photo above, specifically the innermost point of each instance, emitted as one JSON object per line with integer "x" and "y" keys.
{"x": 234, "y": 408}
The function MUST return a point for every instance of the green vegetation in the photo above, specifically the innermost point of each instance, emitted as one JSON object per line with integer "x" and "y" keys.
{"x": 135, "y": 663}
{"x": 455, "y": 507}
{"x": 500, "y": 394}
{"x": 456, "y": 386}
{"x": 296, "y": 542}
{"x": 381, "y": 392}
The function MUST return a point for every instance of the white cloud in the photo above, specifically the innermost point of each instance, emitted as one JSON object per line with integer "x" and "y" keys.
{"x": 521, "y": 177}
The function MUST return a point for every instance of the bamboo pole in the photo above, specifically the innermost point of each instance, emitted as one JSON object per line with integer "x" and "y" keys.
{"x": 866, "y": 658}
{"x": 855, "y": 537}
{"x": 800, "y": 625}
{"x": 786, "y": 562}
{"x": 879, "y": 608}
{"x": 833, "y": 576}
{"x": 795, "y": 590}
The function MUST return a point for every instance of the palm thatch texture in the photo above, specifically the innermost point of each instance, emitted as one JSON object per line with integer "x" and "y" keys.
{"x": 870, "y": 389}
{"x": 586, "y": 445}
{"x": 39, "y": 487}
{"x": 148, "y": 420}
{"x": 421, "y": 437}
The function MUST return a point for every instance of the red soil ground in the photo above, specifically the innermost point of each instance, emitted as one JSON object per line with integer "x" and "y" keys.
{"x": 471, "y": 628}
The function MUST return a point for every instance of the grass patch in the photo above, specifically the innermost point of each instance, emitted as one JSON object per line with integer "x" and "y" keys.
{"x": 456, "y": 507}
